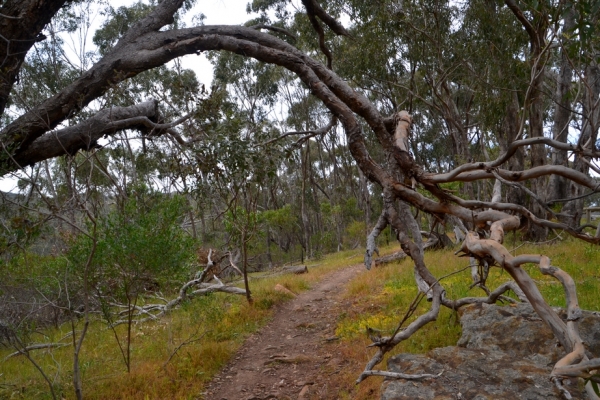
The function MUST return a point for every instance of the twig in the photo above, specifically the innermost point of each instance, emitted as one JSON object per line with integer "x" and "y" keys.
{"x": 275, "y": 29}
{"x": 189, "y": 340}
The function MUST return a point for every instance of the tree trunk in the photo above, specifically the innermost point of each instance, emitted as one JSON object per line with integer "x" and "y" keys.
{"x": 538, "y": 154}
{"x": 557, "y": 187}
{"x": 508, "y": 134}
{"x": 366, "y": 197}
{"x": 245, "y": 265}
{"x": 587, "y": 139}
{"x": 304, "y": 211}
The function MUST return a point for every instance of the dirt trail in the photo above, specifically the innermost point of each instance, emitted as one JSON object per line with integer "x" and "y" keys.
{"x": 294, "y": 355}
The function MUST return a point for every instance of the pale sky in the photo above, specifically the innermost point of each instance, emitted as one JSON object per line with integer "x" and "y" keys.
{"x": 218, "y": 12}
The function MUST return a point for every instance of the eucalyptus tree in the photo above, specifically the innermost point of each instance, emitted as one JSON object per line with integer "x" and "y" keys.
{"x": 369, "y": 121}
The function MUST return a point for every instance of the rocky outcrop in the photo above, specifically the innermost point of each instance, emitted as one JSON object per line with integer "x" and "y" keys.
{"x": 504, "y": 353}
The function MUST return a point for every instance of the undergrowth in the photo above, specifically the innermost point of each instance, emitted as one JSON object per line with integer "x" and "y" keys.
{"x": 197, "y": 339}
{"x": 175, "y": 357}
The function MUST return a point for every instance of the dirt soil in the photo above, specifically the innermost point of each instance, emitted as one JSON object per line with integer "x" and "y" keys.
{"x": 295, "y": 355}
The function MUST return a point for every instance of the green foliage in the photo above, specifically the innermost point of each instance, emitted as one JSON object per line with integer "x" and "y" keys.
{"x": 281, "y": 218}
{"x": 140, "y": 245}
{"x": 239, "y": 219}
{"x": 595, "y": 384}
{"x": 118, "y": 22}
{"x": 220, "y": 321}
{"x": 356, "y": 231}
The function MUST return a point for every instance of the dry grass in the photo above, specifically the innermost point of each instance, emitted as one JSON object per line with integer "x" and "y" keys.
{"x": 378, "y": 299}
{"x": 220, "y": 321}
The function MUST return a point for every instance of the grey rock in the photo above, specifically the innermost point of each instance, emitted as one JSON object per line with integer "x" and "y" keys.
{"x": 515, "y": 330}
{"x": 503, "y": 353}
{"x": 521, "y": 333}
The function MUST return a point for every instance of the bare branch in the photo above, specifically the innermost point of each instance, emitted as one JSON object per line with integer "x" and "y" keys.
{"x": 491, "y": 299}
{"x": 312, "y": 7}
{"x": 307, "y": 134}
{"x": 275, "y": 29}
{"x": 399, "y": 375}
{"x": 37, "y": 346}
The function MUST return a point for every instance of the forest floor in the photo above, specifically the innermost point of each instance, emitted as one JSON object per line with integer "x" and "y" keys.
{"x": 296, "y": 355}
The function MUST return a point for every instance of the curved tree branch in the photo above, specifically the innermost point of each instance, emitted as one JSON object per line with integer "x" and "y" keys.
{"x": 85, "y": 135}
{"x": 313, "y": 8}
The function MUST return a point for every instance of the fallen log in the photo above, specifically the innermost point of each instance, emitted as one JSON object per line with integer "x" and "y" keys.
{"x": 400, "y": 255}
{"x": 296, "y": 269}
{"x": 432, "y": 241}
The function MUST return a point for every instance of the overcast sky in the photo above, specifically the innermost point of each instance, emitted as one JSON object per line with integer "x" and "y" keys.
{"x": 218, "y": 12}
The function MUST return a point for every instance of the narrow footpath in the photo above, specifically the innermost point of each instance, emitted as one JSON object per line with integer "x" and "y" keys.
{"x": 296, "y": 354}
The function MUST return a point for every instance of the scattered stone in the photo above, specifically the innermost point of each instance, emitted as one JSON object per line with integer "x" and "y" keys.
{"x": 525, "y": 335}
{"x": 282, "y": 289}
{"x": 303, "y": 392}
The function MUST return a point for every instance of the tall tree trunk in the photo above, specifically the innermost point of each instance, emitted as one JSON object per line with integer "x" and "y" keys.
{"x": 508, "y": 133}
{"x": 537, "y": 29}
{"x": 536, "y": 129}
{"x": 587, "y": 139}
{"x": 268, "y": 235}
{"x": 458, "y": 133}
{"x": 366, "y": 200}
{"x": 245, "y": 240}
{"x": 538, "y": 156}
{"x": 557, "y": 187}
{"x": 304, "y": 210}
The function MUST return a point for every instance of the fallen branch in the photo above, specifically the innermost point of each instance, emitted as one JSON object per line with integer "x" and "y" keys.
{"x": 399, "y": 375}
{"x": 491, "y": 299}
{"x": 233, "y": 264}
{"x": 37, "y": 346}
{"x": 154, "y": 311}
{"x": 432, "y": 241}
